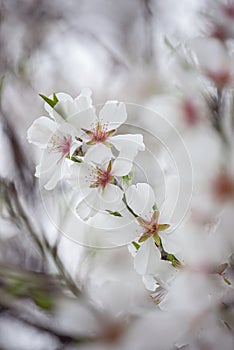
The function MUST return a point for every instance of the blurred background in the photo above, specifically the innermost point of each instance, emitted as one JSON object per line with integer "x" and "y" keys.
{"x": 55, "y": 294}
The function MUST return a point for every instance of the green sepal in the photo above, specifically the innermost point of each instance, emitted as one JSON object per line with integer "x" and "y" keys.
{"x": 155, "y": 216}
{"x": 109, "y": 167}
{"x": 142, "y": 222}
{"x": 175, "y": 262}
{"x": 76, "y": 159}
{"x": 91, "y": 142}
{"x": 143, "y": 238}
{"x": 111, "y": 132}
{"x": 163, "y": 227}
{"x": 127, "y": 179}
{"x": 107, "y": 144}
{"x": 88, "y": 132}
{"x": 157, "y": 239}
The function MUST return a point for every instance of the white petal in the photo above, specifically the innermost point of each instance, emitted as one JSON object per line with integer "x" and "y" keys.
{"x": 141, "y": 199}
{"x": 111, "y": 196}
{"x": 113, "y": 113}
{"x": 64, "y": 109}
{"x": 149, "y": 282}
{"x": 40, "y": 131}
{"x": 67, "y": 129}
{"x": 147, "y": 258}
{"x": 124, "y": 142}
{"x": 56, "y": 176}
{"x": 165, "y": 272}
{"x": 84, "y": 120}
{"x": 84, "y": 99}
{"x": 122, "y": 165}
{"x": 98, "y": 201}
{"x": 80, "y": 176}
{"x": 98, "y": 153}
{"x": 50, "y": 173}
{"x": 88, "y": 206}
{"x": 48, "y": 161}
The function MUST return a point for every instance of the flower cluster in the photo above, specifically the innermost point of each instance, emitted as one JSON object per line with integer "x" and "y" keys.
{"x": 84, "y": 149}
{"x": 79, "y": 145}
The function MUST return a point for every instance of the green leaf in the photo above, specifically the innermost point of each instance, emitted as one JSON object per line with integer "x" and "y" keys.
{"x": 115, "y": 213}
{"x": 55, "y": 98}
{"x": 136, "y": 245}
{"x": 48, "y": 100}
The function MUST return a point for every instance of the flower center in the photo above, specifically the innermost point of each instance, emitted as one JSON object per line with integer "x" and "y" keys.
{"x": 61, "y": 144}
{"x": 151, "y": 229}
{"x": 99, "y": 133}
{"x": 102, "y": 177}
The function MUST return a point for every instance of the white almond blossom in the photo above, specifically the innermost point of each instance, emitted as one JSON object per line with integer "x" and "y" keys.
{"x": 58, "y": 144}
{"x": 73, "y": 123}
{"x": 98, "y": 132}
{"x": 147, "y": 261}
{"x": 98, "y": 185}
{"x": 56, "y": 137}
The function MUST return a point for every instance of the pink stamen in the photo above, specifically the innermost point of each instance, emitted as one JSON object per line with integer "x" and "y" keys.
{"x": 62, "y": 144}
{"x": 99, "y": 134}
{"x": 103, "y": 178}
{"x": 152, "y": 228}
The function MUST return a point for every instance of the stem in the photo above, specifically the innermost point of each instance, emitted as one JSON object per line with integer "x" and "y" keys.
{"x": 43, "y": 245}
